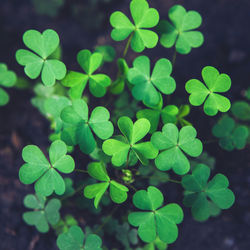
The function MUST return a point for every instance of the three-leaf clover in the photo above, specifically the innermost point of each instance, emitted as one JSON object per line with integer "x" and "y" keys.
{"x": 181, "y": 31}
{"x": 38, "y": 62}
{"x": 7, "y": 80}
{"x": 74, "y": 240}
{"x": 118, "y": 192}
{"x": 230, "y": 136}
{"x": 120, "y": 147}
{"x": 215, "y": 83}
{"x": 201, "y": 195}
{"x": 79, "y": 125}
{"x": 156, "y": 221}
{"x": 77, "y": 82}
{"x": 146, "y": 86}
{"x": 172, "y": 142}
{"x": 44, "y": 173}
{"x": 43, "y": 214}
{"x": 144, "y": 18}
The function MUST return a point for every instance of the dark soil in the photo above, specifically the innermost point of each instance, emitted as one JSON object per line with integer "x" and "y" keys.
{"x": 226, "y": 30}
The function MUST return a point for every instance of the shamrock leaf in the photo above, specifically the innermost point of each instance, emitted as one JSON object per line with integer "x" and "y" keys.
{"x": 146, "y": 86}
{"x": 201, "y": 195}
{"x": 156, "y": 221}
{"x": 144, "y": 18}
{"x": 98, "y": 83}
{"x": 7, "y": 79}
{"x": 181, "y": 32}
{"x": 107, "y": 51}
{"x": 118, "y": 192}
{"x": 74, "y": 240}
{"x": 230, "y": 136}
{"x": 121, "y": 146}
{"x": 44, "y": 173}
{"x": 79, "y": 125}
{"x": 64, "y": 224}
{"x": 215, "y": 83}
{"x": 241, "y": 110}
{"x": 173, "y": 143}
{"x": 184, "y": 111}
{"x": 43, "y": 214}
{"x": 38, "y": 62}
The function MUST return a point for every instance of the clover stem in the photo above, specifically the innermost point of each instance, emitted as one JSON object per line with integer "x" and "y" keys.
{"x": 210, "y": 141}
{"x": 76, "y": 191}
{"x": 131, "y": 186}
{"x": 174, "y": 57}
{"x": 81, "y": 171}
{"x": 174, "y": 181}
{"x": 127, "y": 46}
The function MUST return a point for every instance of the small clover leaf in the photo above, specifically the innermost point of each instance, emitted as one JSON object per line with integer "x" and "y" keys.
{"x": 172, "y": 142}
{"x": 144, "y": 18}
{"x": 241, "y": 110}
{"x": 120, "y": 147}
{"x": 156, "y": 221}
{"x": 181, "y": 32}
{"x": 7, "y": 80}
{"x": 202, "y": 195}
{"x": 38, "y": 62}
{"x": 146, "y": 86}
{"x": 43, "y": 214}
{"x": 44, "y": 173}
{"x": 77, "y": 82}
{"x": 107, "y": 51}
{"x": 215, "y": 83}
{"x": 230, "y": 136}
{"x": 79, "y": 125}
{"x": 64, "y": 224}
{"x": 118, "y": 192}
{"x": 74, "y": 240}
{"x": 184, "y": 111}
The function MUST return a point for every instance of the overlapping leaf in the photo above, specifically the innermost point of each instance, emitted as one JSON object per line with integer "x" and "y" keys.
{"x": 121, "y": 147}
{"x": 79, "y": 126}
{"x": 155, "y": 221}
{"x": 144, "y": 18}
{"x": 172, "y": 143}
{"x": 44, "y": 173}
{"x": 146, "y": 86}
{"x": 241, "y": 110}
{"x": 204, "y": 196}
{"x": 207, "y": 94}
{"x": 180, "y": 32}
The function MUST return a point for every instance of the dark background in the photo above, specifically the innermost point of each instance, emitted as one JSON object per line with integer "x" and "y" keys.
{"x": 226, "y": 27}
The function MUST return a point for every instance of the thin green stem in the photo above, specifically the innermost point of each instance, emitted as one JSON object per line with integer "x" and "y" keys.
{"x": 174, "y": 58}
{"x": 174, "y": 181}
{"x": 81, "y": 171}
{"x": 127, "y": 45}
{"x": 210, "y": 141}
{"x": 131, "y": 186}
{"x": 75, "y": 192}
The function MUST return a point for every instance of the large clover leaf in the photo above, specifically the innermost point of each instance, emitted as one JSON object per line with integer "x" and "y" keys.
{"x": 7, "y": 79}
{"x": 156, "y": 221}
{"x": 215, "y": 83}
{"x": 147, "y": 87}
{"x": 43, "y": 214}
{"x": 230, "y": 136}
{"x": 74, "y": 240}
{"x": 172, "y": 143}
{"x": 144, "y": 18}
{"x": 121, "y": 147}
{"x": 38, "y": 62}
{"x": 181, "y": 32}
{"x": 44, "y": 173}
{"x": 202, "y": 194}
{"x": 77, "y": 82}
{"x": 79, "y": 125}
{"x": 118, "y": 192}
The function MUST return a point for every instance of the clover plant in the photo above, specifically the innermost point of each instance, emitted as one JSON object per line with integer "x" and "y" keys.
{"x": 135, "y": 132}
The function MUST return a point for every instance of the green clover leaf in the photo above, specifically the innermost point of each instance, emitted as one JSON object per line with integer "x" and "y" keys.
{"x": 38, "y": 62}
{"x": 118, "y": 192}
{"x": 44, "y": 173}
{"x": 79, "y": 125}
{"x": 181, "y": 32}
{"x": 241, "y": 110}
{"x": 77, "y": 82}
{"x": 74, "y": 240}
{"x": 107, "y": 51}
{"x": 156, "y": 221}
{"x": 121, "y": 146}
{"x": 230, "y": 136}
{"x": 173, "y": 143}
{"x": 144, "y": 18}
{"x": 201, "y": 195}
{"x": 147, "y": 87}
{"x": 64, "y": 224}
{"x": 43, "y": 214}
{"x": 215, "y": 83}
{"x": 7, "y": 80}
